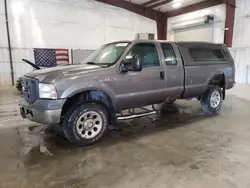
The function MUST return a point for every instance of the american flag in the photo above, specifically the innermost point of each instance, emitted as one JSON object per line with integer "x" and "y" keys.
{"x": 50, "y": 57}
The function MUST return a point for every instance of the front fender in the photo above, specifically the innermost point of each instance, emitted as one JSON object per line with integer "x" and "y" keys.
{"x": 91, "y": 86}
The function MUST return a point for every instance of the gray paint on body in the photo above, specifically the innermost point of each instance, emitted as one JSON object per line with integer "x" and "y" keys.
{"x": 132, "y": 89}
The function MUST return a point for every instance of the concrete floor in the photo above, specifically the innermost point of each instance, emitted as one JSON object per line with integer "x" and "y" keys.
{"x": 181, "y": 148}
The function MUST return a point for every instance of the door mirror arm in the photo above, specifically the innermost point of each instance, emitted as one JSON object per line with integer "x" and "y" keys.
{"x": 124, "y": 67}
{"x": 132, "y": 64}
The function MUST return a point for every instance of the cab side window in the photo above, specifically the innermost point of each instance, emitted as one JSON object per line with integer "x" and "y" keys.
{"x": 170, "y": 57}
{"x": 147, "y": 52}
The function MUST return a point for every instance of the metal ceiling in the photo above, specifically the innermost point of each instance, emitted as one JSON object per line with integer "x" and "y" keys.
{"x": 164, "y": 5}
{"x": 159, "y": 5}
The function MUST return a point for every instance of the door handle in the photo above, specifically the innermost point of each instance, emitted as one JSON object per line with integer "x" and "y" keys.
{"x": 189, "y": 80}
{"x": 162, "y": 75}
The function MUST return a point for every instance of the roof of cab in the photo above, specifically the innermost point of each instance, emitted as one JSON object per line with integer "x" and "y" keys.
{"x": 161, "y": 41}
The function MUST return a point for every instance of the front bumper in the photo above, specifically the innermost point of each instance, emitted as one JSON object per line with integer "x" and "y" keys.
{"x": 42, "y": 111}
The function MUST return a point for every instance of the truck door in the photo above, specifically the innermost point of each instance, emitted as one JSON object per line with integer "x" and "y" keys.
{"x": 174, "y": 71}
{"x": 142, "y": 88}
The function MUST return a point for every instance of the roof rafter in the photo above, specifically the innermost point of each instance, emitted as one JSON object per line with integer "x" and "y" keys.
{"x": 138, "y": 9}
{"x": 149, "y": 2}
{"x": 159, "y": 17}
{"x": 198, "y": 6}
{"x": 160, "y": 3}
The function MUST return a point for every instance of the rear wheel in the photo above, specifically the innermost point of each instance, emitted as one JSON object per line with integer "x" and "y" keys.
{"x": 85, "y": 124}
{"x": 211, "y": 100}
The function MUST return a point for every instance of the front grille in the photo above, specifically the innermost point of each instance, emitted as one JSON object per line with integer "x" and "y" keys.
{"x": 30, "y": 89}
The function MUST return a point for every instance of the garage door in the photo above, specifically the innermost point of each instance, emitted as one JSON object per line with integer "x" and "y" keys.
{"x": 200, "y": 33}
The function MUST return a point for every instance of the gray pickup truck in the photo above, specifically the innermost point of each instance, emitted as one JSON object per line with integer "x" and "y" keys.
{"x": 85, "y": 99}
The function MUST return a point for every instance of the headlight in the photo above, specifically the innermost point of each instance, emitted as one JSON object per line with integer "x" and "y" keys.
{"x": 47, "y": 91}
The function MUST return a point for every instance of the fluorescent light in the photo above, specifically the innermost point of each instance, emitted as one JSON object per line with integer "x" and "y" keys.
{"x": 176, "y": 5}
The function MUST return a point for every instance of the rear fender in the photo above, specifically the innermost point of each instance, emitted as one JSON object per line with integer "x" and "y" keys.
{"x": 213, "y": 77}
{"x": 212, "y": 80}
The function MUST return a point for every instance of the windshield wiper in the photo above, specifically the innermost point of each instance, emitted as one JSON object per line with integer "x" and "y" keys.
{"x": 98, "y": 64}
{"x": 92, "y": 63}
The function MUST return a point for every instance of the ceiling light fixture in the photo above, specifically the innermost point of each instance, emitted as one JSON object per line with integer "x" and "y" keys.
{"x": 177, "y": 5}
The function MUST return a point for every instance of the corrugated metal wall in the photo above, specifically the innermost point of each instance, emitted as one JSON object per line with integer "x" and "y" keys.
{"x": 20, "y": 68}
{"x": 242, "y": 24}
{"x": 87, "y": 25}
{"x": 5, "y": 78}
{"x": 79, "y": 55}
{"x": 241, "y": 57}
{"x": 241, "y": 42}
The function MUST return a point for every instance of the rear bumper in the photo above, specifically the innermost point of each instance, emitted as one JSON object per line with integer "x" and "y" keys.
{"x": 42, "y": 111}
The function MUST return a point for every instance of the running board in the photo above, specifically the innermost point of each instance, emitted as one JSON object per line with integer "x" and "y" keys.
{"x": 143, "y": 111}
{"x": 136, "y": 115}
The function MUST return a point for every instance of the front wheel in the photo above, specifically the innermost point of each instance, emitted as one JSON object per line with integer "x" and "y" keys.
{"x": 85, "y": 124}
{"x": 211, "y": 100}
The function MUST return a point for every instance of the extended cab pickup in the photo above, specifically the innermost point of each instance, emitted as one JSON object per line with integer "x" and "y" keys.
{"x": 84, "y": 99}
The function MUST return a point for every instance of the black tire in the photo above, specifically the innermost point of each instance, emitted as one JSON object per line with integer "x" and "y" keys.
{"x": 206, "y": 104}
{"x": 71, "y": 120}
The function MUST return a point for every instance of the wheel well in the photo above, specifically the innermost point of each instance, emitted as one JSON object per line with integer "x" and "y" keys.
{"x": 218, "y": 80}
{"x": 89, "y": 96}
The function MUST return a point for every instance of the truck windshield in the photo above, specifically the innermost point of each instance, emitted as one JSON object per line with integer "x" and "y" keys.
{"x": 107, "y": 55}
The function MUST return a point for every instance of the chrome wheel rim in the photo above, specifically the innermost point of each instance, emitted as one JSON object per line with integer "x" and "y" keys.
{"x": 215, "y": 99}
{"x": 89, "y": 125}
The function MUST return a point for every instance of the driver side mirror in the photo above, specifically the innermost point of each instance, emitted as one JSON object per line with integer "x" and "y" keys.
{"x": 132, "y": 64}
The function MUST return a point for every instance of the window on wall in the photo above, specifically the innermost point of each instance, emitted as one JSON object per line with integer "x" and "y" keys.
{"x": 146, "y": 51}
{"x": 170, "y": 57}
{"x": 207, "y": 54}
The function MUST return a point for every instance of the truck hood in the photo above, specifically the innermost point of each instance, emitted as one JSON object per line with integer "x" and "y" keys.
{"x": 51, "y": 75}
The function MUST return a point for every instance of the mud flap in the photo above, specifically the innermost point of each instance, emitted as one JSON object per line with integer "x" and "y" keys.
{"x": 224, "y": 93}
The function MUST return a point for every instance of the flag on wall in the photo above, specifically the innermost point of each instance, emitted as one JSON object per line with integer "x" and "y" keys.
{"x": 51, "y": 57}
